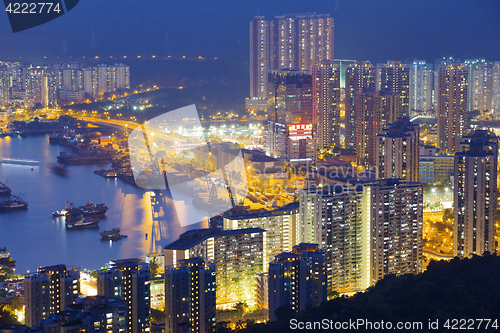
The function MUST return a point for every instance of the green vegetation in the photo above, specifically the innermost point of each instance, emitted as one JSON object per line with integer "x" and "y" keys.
{"x": 157, "y": 315}
{"x": 459, "y": 289}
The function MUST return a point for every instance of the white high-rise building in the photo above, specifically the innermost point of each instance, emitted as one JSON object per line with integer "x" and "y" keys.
{"x": 4, "y": 86}
{"x": 480, "y": 84}
{"x": 259, "y": 57}
{"x": 421, "y": 86}
{"x": 122, "y": 76}
{"x": 299, "y": 41}
{"x": 495, "y": 89}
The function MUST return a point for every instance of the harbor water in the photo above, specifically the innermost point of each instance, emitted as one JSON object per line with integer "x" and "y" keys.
{"x": 35, "y": 238}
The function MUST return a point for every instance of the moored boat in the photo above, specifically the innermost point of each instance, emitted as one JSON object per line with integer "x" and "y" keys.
{"x": 82, "y": 222}
{"x": 57, "y": 213}
{"x": 112, "y": 235}
{"x": 13, "y": 202}
{"x": 4, "y": 189}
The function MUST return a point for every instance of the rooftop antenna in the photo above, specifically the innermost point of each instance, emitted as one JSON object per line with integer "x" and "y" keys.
{"x": 64, "y": 48}
{"x": 92, "y": 44}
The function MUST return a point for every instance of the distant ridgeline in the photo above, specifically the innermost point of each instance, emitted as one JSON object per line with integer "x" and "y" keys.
{"x": 458, "y": 289}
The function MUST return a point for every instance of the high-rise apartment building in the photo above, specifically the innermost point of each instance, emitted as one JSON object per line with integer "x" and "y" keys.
{"x": 297, "y": 279}
{"x": 4, "y": 86}
{"x": 339, "y": 221}
{"x": 299, "y": 41}
{"x": 475, "y": 196}
{"x": 128, "y": 279}
{"x": 282, "y": 225}
{"x": 452, "y": 105}
{"x": 395, "y": 78}
{"x": 122, "y": 76}
{"x": 259, "y": 57}
{"x": 239, "y": 255}
{"x": 495, "y": 89}
{"x": 359, "y": 75}
{"x": 397, "y": 151}
{"x": 290, "y": 129}
{"x": 374, "y": 110}
{"x": 480, "y": 85}
{"x": 190, "y": 296}
{"x": 49, "y": 290}
{"x": 326, "y": 104}
{"x": 421, "y": 86}
{"x": 369, "y": 230}
{"x": 397, "y": 219}
{"x": 41, "y": 87}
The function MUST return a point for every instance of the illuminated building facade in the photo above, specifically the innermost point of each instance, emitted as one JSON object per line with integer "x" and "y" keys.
{"x": 112, "y": 312}
{"x": 41, "y": 87}
{"x": 495, "y": 98}
{"x": 4, "y": 86}
{"x": 190, "y": 296}
{"x": 338, "y": 219}
{"x": 397, "y": 151}
{"x": 282, "y": 225}
{"x": 259, "y": 57}
{"x": 49, "y": 290}
{"x": 421, "y": 86}
{"x": 480, "y": 85}
{"x": 397, "y": 218}
{"x": 326, "y": 104}
{"x": 128, "y": 279}
{"x": 239, "y": 255}
{"x": 374, "y": 110}
{"x": 435, "y": 169}
{"x": 358, "y": 75}
{"x": 395, "y": 78}
{"x": 297, "y": 279}
{"x": 475, "y": 196}
{"x": 452, "y": 105}
{"x": 289, "y": 132}
{"x": 299, "y": 41}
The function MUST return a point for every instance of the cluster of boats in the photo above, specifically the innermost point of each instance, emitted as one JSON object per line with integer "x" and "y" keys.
{"x": 81, "y": 217}
{"x": 9, "y": 202}
{"x": 86, "y": 217}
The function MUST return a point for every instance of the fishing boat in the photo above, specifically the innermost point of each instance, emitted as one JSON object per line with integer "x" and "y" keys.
{"x": 4, "y": 189}
{"x": 57, "y": 213}
{"x": 82, "y": 222}
{"x": 112, "y": 235}
{"x": 13, "y": 202}
{"x": 91, "y": 209}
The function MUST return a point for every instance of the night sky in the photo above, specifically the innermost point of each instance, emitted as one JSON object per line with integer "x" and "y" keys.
{"x": 375, "y": 30}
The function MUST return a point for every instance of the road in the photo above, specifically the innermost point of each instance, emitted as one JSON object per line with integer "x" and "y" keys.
{"x": 438, "y": 255}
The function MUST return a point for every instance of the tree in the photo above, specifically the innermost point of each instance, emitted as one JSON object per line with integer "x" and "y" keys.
{"x": 222, "y": 327}
{"x": 332, "y": 294}
{"x": 157, "y": 315}
{"x": 7, "y": 317}
{"x": 240, "y": 306}
{"x": 284, "y": 312}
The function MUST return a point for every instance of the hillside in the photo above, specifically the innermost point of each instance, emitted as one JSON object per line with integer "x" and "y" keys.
{"x": 460, "y": 289}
